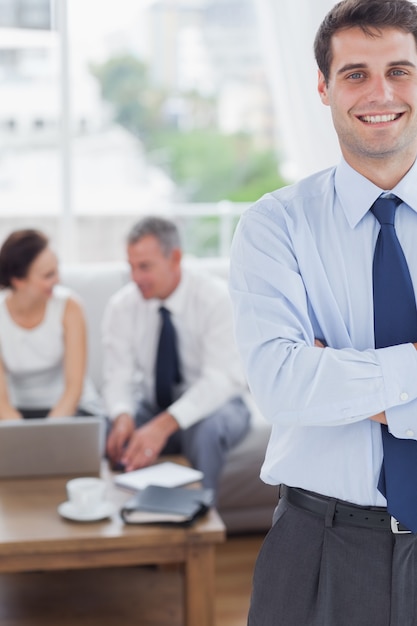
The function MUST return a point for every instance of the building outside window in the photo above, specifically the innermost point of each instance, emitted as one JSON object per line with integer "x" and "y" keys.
{"x": 111, "y": 110}
{"x": 31, "y": 14}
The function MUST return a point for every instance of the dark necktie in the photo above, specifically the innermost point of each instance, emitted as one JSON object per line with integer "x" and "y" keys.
{"x": 167, "y": 371}
{"x": 395, "y": 322}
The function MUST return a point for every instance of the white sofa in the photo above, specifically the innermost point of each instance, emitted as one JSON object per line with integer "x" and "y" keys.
{"x": 245, "y": 503}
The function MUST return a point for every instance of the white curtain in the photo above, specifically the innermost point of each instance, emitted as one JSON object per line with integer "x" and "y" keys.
{"x": 307, "y": 140}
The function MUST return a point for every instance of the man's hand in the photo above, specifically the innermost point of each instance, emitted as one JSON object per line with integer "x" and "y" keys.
{"x": 122, "y": 429}
{"x": 148, "y": 441}
{"x": 379, "y": 417}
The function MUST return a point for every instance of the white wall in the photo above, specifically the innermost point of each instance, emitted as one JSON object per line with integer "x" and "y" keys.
{"x": 306, "y": 131}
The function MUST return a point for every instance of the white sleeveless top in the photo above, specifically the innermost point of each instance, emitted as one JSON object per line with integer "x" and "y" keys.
{"x": 33, "y": 358}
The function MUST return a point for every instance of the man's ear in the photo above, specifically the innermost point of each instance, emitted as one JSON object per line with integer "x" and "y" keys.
{"x": 176, "y": 256}
{"x": 322, "y": 88}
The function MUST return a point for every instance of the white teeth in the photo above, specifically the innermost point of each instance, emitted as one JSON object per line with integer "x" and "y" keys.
{"x": 377, "y": 119}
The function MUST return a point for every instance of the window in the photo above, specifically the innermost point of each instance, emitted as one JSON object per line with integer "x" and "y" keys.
{"x": 153, "y": 107}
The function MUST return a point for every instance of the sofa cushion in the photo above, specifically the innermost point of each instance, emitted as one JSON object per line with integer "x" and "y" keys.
{"x": 95, "y": 283}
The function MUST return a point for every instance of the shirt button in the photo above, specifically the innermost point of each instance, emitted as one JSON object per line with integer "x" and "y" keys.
{"x": 403, "y": 396}
{"x": 409, "y": 433}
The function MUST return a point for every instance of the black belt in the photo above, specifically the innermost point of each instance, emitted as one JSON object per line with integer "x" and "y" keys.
{"x": 344, "y": 513}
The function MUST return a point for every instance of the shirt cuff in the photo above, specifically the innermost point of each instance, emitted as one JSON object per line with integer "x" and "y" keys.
{"x": 119, "y": 408}
{"x": 399, "y": 368}
{"x": 185, "y": 413}
{"x": 402, "y": 420}
{"x": 399, "y": 371}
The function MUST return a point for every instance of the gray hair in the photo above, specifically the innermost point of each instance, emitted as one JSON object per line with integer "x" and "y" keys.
{"x": 165, "y": 231}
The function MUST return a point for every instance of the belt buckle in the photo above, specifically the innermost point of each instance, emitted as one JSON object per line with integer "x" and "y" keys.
{"x": 395, "y": 527}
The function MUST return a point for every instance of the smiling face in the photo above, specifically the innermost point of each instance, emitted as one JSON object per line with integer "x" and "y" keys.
{"x": 372, "y": 92}
{"x": 156, "y": 274}
{"x": 41, "y": 278}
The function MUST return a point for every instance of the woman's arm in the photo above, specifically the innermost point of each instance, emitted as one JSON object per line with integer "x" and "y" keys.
{"x": 75, "y": 358}
{"x": 7, "y": 411}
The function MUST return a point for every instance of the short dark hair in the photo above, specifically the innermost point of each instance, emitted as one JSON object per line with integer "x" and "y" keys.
{"x": 165, "y": 231}
{"x": 370, "y": 16}
{"x": 18, "y": 252}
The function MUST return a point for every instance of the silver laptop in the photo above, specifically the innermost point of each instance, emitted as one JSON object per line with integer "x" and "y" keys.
{"x": 51, "y": 446}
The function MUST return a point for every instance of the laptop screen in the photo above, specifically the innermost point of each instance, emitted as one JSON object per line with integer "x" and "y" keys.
{"x": 51, "y": 446}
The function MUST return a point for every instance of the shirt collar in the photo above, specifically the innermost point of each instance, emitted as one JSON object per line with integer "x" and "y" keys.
{"x": 175, "y": 302}
{"x": 357, "y": 194}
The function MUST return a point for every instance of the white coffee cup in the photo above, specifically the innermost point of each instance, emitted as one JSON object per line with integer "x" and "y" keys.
{"x": 86, "y": 494}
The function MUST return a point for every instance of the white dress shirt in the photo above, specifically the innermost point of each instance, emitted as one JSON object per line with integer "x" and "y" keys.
{"x": 210, "y": 365}
{"x": 301, "y": 269}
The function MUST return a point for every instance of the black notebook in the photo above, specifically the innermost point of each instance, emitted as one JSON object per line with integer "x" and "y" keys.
{"x": 172, "y": 505}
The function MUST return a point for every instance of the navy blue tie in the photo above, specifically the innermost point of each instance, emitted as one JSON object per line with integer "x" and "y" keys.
{"x": 167, "y": 370}
{"x": 395, "y": 322}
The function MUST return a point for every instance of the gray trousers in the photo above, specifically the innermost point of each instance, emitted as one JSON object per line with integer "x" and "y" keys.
{"x": 206, "y": 443}
{"x": 311, "y": 573}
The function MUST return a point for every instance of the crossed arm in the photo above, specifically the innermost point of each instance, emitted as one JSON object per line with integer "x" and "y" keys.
{"x": 379, "y": 417}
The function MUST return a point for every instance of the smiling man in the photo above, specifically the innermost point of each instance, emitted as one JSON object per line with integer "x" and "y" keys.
{"x": 199, "y": 411}
{"x": 323, "y": 275}
{"x": 372, "y": 96}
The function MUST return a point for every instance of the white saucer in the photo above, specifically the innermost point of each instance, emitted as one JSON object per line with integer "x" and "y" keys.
{"x": 67, "y": 510}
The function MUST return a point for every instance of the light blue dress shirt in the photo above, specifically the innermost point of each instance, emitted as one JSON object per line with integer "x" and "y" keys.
{"x": 301, "y": 268}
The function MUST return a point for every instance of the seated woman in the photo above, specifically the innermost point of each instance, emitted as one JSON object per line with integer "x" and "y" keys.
{"x": 43, "y": 349}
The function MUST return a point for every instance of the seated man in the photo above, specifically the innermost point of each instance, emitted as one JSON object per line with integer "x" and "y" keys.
{"x": 172, "y": 376}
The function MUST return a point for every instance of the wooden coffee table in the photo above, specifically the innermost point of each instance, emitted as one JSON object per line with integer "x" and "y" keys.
{"x": 34, "y": 537}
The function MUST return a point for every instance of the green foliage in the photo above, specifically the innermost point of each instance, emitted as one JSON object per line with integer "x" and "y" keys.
{"x": 124, "y": 84}
{"x": 202, "y": 235}
{"x": 210, "y": 166}
{"x": 207, "y": 165}
{"x": 258, "y": 175}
